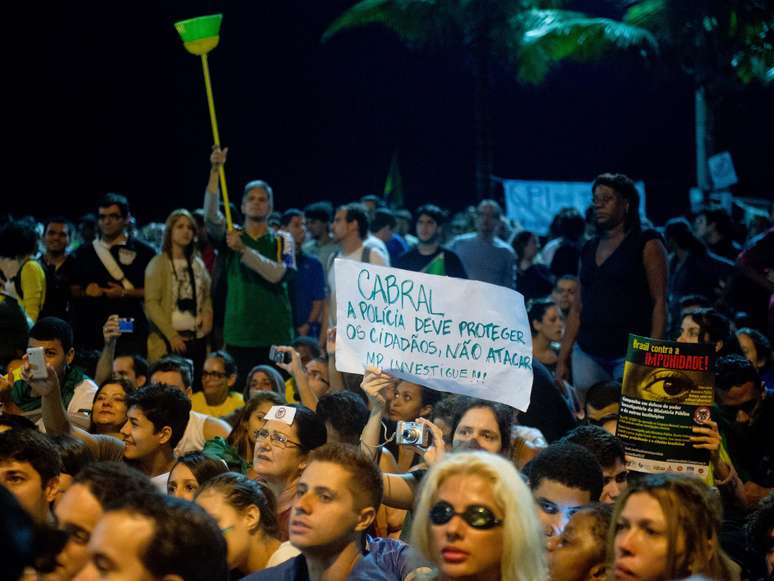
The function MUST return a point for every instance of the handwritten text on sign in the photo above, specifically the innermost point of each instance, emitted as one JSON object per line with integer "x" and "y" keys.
{"x": 454, "y": 335}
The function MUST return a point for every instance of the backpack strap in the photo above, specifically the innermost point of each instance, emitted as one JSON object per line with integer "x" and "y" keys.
{"x": 332, "y": 258}
{"x": 17, "y": 283}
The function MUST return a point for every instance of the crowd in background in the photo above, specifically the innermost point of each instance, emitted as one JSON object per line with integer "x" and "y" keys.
{"x": 189, "y": 421}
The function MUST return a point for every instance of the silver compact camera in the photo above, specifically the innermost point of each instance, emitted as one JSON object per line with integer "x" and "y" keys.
{"x": 412, "y": 434}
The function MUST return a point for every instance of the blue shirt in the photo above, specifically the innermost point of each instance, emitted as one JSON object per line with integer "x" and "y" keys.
{"x": 397, "y": 247}
{"x": 308, "y": 286}
{"x": 491, "y": 261}
{"x": 386, "y": 560}
{"x": 295, "y": 570}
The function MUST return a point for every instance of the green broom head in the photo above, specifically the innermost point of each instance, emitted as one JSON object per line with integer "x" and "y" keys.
{"x": 200, "y": 35}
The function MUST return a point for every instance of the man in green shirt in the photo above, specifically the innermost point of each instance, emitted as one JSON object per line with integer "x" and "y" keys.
{"x": 257, "y": 265}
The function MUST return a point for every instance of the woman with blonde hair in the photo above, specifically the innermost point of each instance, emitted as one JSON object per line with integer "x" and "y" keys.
{"x": 475, "y": 519}
{"x": 177, "y": 295}
{"x": 665, "y": 526}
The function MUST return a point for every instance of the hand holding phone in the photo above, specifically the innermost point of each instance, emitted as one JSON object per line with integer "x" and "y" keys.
{"x": 279, "y": 356}
{"x": 37, "y": 361}
{"x": 126, "y": 325}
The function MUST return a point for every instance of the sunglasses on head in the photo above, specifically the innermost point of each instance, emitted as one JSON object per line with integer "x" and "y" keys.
{"x": 477, "y": 516}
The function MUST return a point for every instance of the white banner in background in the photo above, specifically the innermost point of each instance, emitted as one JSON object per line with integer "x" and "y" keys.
{"x": 460, "y": 336}
{"x": 534, "y": 204}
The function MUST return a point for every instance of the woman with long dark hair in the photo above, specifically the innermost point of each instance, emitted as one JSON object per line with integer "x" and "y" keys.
{"x": 547, "y": 329}
{"x": 707, "y": 326}
{"x": 246, "y": 512}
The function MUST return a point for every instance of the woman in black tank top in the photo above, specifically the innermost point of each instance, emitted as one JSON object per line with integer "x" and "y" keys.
{"x": 623, "y": 282}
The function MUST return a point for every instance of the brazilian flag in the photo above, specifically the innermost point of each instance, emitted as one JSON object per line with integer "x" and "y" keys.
{"x": 393, "y": 185}
{"x": 436, "y": 266}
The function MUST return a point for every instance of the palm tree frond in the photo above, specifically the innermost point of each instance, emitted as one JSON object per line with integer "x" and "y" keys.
{"x": 565, "y": 35}
{"x": 410, "y": 19}
{"x": 650, "y": 14}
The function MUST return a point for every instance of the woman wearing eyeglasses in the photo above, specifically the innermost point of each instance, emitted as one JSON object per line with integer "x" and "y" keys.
{"x": 282, "y": 444}
{"x": 238, "y": 448}
{"x": 665, "y": 526}
{"x": 475, "y": 519}
{"x": 246, "y": 512}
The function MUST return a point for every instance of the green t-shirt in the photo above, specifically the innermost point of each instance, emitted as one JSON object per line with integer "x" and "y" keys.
{"x": 257, "y": 311}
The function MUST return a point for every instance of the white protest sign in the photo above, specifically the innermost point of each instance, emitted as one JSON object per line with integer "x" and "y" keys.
{"x": 722, "y": 170}
{"x": 460, "y": 336}
{"x": 534, "y": 203}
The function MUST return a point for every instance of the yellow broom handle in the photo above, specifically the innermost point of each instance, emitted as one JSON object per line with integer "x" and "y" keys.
{"x": 216, "y": 138}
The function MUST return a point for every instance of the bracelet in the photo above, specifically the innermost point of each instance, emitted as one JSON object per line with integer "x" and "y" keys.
{"x": 730, "y": 479}
{"x": 369, "y": 446}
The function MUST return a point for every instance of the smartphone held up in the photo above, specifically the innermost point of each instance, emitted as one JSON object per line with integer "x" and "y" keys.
{"x": 37, "y": 361}
{"x": 279, "y": 356}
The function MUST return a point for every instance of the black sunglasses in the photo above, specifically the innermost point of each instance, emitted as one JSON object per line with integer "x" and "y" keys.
{"x": 477, "y": 516}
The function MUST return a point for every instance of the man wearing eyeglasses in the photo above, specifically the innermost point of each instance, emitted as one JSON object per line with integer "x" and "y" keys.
{"x": 745, "y": 419}
{"x": 108, "y": 278}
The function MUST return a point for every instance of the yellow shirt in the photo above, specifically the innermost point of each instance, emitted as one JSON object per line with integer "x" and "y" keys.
{"x": 290, "y": 391}
{"x": 234, "y": 401}
{"x": 33, "y": 285}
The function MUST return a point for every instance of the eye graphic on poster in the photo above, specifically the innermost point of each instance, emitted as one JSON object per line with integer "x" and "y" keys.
{"x": 667, "y": 389}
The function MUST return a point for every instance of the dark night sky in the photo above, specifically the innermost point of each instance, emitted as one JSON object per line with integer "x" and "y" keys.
{"x": 104, "y": 97}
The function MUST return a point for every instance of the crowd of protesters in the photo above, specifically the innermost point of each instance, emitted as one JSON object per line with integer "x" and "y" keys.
{"x": 189, "y": 421}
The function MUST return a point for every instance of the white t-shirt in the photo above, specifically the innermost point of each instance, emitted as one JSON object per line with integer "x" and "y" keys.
{"x": 160, "y": 482}
{"x": 548, "y": 251}
{"x": 193, "y": 438}
{"x": 374, "y": 242}
{"x": 284, "y": 552}
{"x": 79, "y": 408}
{"x": 182, "y": 289}
{"x": 375, "y": 256}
